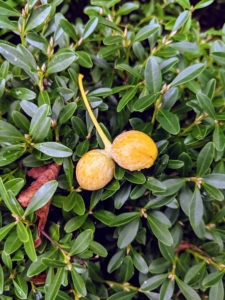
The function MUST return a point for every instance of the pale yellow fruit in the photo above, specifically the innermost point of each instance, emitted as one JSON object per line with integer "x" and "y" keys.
{"x": 134, "y": 150}
{"x": 95, "y": 170}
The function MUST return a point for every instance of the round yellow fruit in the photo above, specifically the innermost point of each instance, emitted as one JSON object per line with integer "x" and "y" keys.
{"x": 134, "y": 150}
{"x": 95, "y": 170}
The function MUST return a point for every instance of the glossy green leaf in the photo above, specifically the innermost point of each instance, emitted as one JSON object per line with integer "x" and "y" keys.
{"x": 5, "y": 230}
{"x": 123, "y": 296}
{"x": 217, "y": 291}
{"x": 126, "y": 98}
{"x": 186, "y": 290}
{"x": 68, "y": 29}
{"x": 218, "y": 138}
{"x": 82, "y": 242}
{"x": 128, "y": 234}
{"x": 66, "y": 113}
{"x": 38, "y": 118}
{"x": 124, "y": 218}
{"x": 75, "y": 223}
{"x": 12, "y": 243}
{"x": 115, "y": 261}
{"x": 145, "y": 32}
{"x": 61, "y": 61}
{"x": 53, "y": 149}
{"x": 129, "y": 69}
{"x": 89, "y": 27}
{"x": 196, "y": 208}
{"x": 29, "y": 246}
{"x": 139, "y": 262}
{"x": 153, "y": 282}
{"x": 205, "y": 158}
{"x": 42, "y": 196}
{"x": 160, "y": 231}
{"x": 203, "y": 3}
{"x": 166, "y": 290}
{"x": 1, "y": 280}
{"x": 22, "y": 232}
{"x": 213, "y": 191}
{"x": 206, "y": 105}
{"x": 78, "y": 283}
{"x": 212, "y": 278}
{"x": 188, "y": 74}
{"x": 168, "y": 121}
{"x": 8, "y": 10}
{"x": 153, "y": 76}
{"x": 38, "y": 16}
{"x": 126, "y": 8}
{"x": 55, "y": 285}
{"x": 84, "y": 59}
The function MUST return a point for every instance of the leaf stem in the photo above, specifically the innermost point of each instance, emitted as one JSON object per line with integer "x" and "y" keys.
{"x": 125, "y": 286}
{"x": 104, "y": 138}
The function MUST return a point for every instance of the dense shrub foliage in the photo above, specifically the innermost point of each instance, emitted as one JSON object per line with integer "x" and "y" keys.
{"x": 154, "y": 234}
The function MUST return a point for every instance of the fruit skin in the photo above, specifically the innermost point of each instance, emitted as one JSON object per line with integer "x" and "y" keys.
{"x": 95, "y": 170}
{"x": 134, "y": 150}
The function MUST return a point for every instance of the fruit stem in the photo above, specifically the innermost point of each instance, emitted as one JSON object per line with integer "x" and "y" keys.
{"x": 104, "y": 138}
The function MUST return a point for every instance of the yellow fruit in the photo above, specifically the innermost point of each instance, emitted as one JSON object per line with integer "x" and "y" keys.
{"x": 134, "y": 150}
{"x": 95, "y": 170}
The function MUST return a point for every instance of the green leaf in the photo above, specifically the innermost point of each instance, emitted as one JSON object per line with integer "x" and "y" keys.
{"x": 109, "y": 24}
{"x": 196, "y": 208}
{"x": 75, "y": 223}
{"x": 186, "y": 290}
{"x": 168, "y": 121}
{"x": 37, "y": 17}
{"x": 61, "y": 61}
{"x": 90, "y": 27}
{"x": 128, "y": 234}
{"x": 14, "y": 56}
{"x": 124, "y": 218}
{"x": 126, "y": 98}
{"x": 213, "y": 191}
{"x": 8, "y": 133}
{"x": 205, "y": 159}
{"x": 144, "y": 102}
{"x": 166, "y": 290}
{"x": 55, "y": 285}
{"x": 115, "y": 261}
{"x": 11, "y": 201}
{"x": 217, "y": 180}
{"x": 123, "y": 296}
{"x": 53, "y": 149}
{"x": 160, "y": 231}
{"x": 79, "y": 207}
{"x": 202, "y": 4}
{"x": 21, "y": 121}
{"x": 109, "y": 50}
{"x": 42, "y": 196}
{"x": 20, "y": 287}
{"x": 78, "y": 283}
{"x": 129, "y": 69}
{"x": 22, "y": 232}
{"x": 82, "y": 242}
{"x": 79, "y": 126}
{"x": 212, "y": 278}
{"x": 167, "y": 252}
{"x": 153, "y": 76}
{"x": 217, "y": 291}
{"x": 153, "y": 282}
{"x": 9, "y": 154}
{"x": 127, "y": 269}
{"x": 155, "y": 185}
{"x": 184, "y": 3}
{"x": 22, "y": 93}
{"x": 218, "y": 138}
{"x": 66, "y": 113}
{"x": 98, "y": 249}
{"x": 38, "y": 118}
{"x": 188, "y": 74}
{"x": 84, "y": 59}
{"x": 167, "y": 64}
{"x": 145, "y": 32}
{"x": 1, "y": 280}
{"x": 126, "y": 8}
{"x": 38, "y": 41}
{"x": 5, "y": 23}
{"x": 139, "y": 261}
{"x": 68, "y": 29}
{"x": 12, "y": 243}
{"x": 206, "y": 104}
{"x": 181, "y": 20}
{"x": 53, "y": 263}
{"x": 8, "y": 10}
{"x": 136, "y": 177}
{"x": 29, "y": 246}
{"x": 42, "y": 132}
{"x": 195, "y": 274}
{"x": 5, "y": 230}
